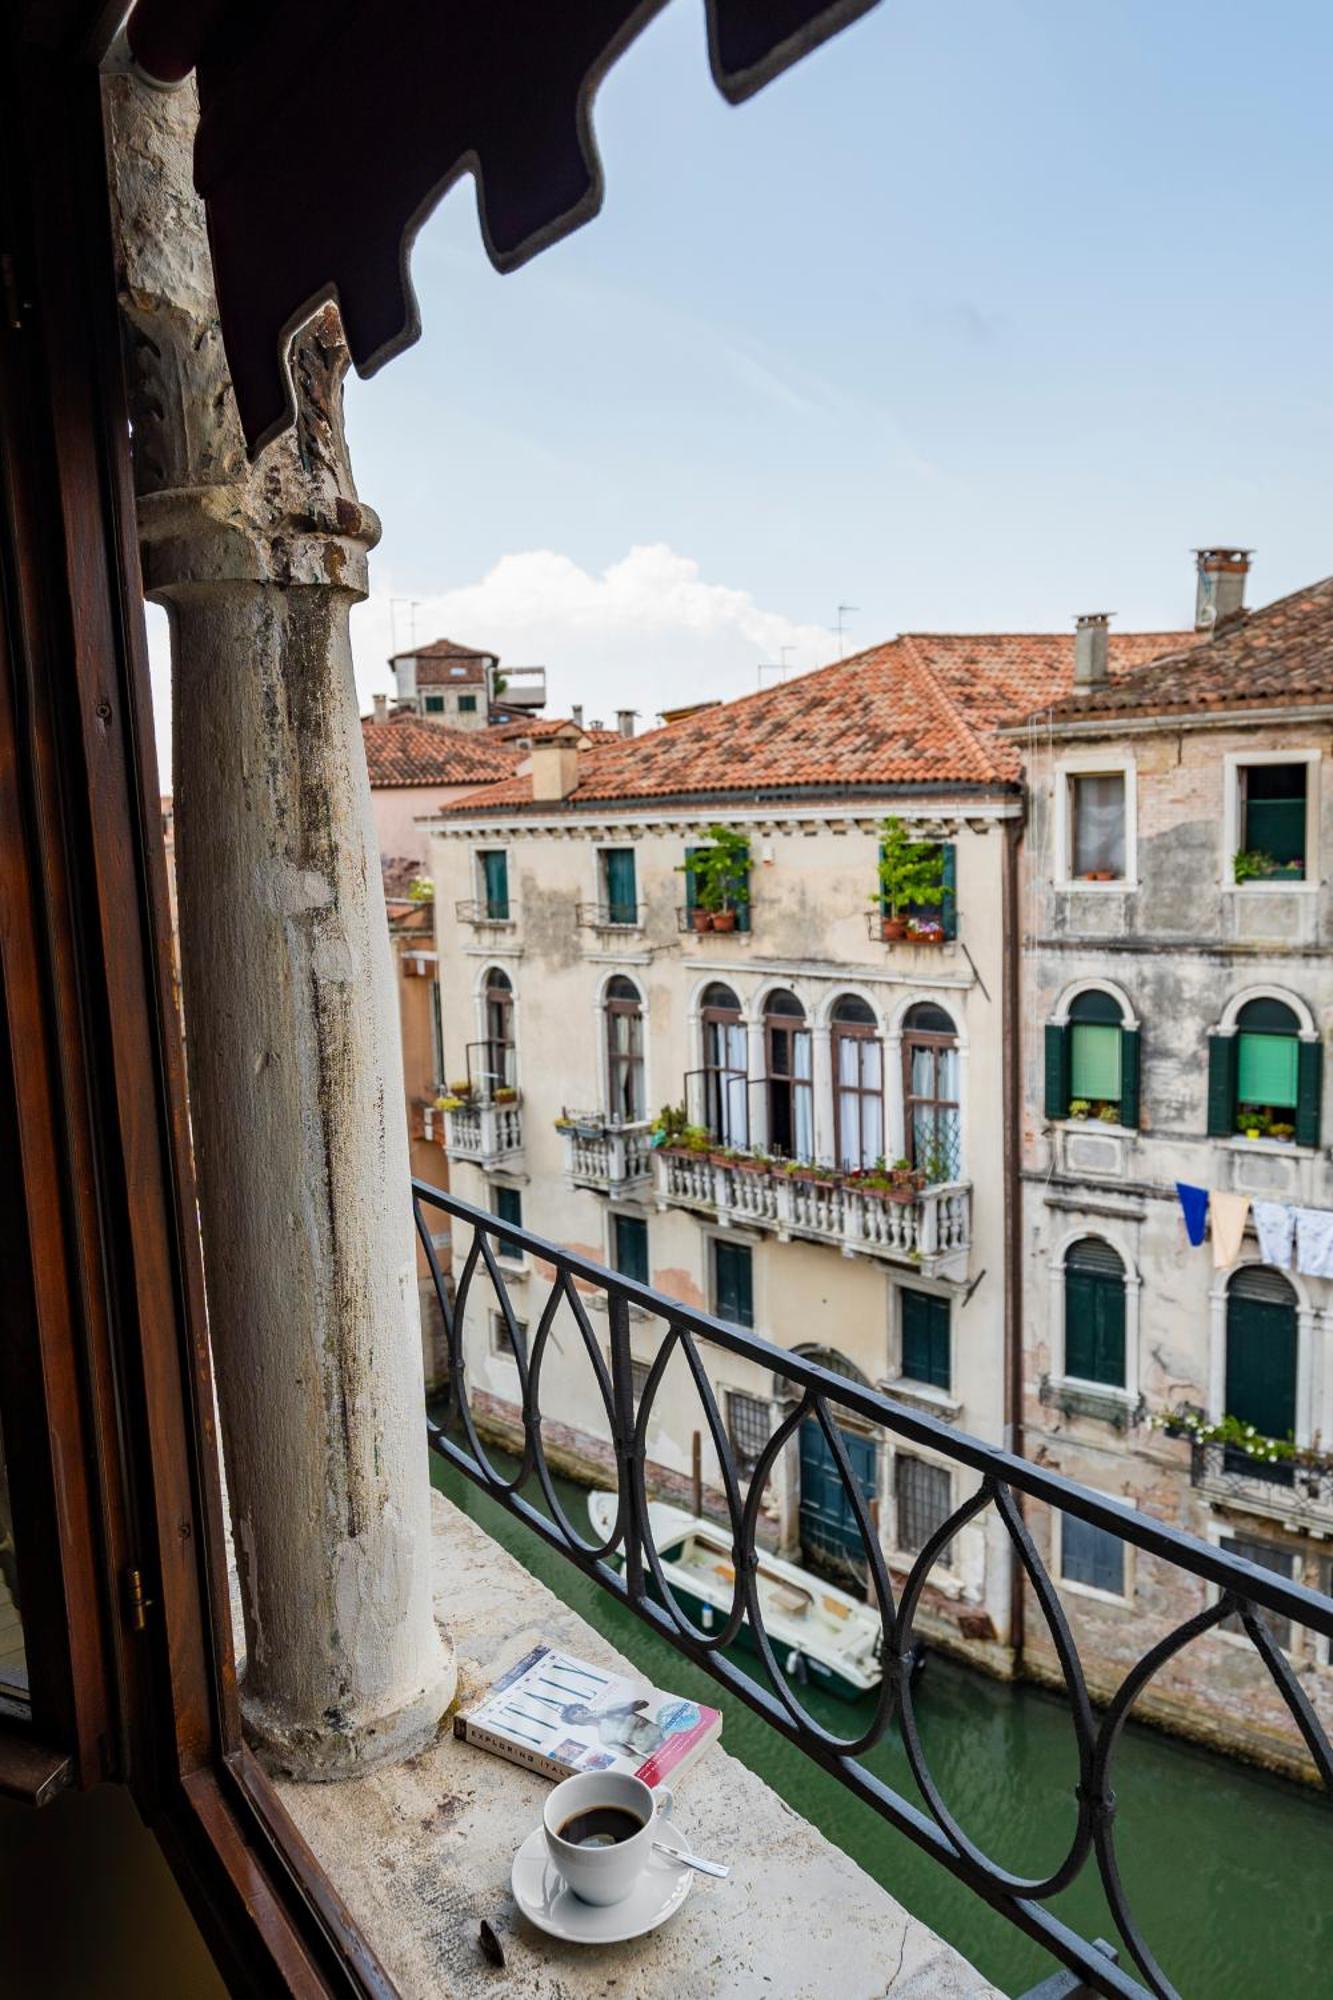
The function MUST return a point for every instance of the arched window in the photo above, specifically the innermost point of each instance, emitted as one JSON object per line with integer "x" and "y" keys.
{"x": 720, "y": 1102}
{"x": 624, "y": 1050}
{"x": 858, "y": 1084}
{"x": 1267, "y": 1069}
{"x": 497, "y": 1050}
{"x": 790, "y": 1089}
{"x": 1095, "y": 1313}
{"x": 1092, "y": 1062}
{"x": 931, "y": 1125}
{"x": 1261, "y": 1351}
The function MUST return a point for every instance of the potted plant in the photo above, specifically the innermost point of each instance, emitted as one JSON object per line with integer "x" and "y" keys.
{"x": 752, "y": 1163}
{"x": 1280, "y": 1129}
{"x": 1109, "y": 1114}
{"x": 911, "y": 873}
{"x": 1252, "y": 865}
{"x": 718, "y": 872}
{"x": 1252, "y": 1122}
{"x": 1079, "y": 1107}
{"x": 506, "y": 1094}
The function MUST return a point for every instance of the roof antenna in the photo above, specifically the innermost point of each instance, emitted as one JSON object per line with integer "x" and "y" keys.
{"x": 842, "y": 644}
{"x": 781, "y": 666}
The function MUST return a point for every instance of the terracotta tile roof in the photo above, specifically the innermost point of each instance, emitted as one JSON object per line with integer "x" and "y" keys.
{"x": 408, "y": 750}
{"x": 1281, "y": 653}
{"x": 921, "y": 709}
{"x": 535, "y": 728}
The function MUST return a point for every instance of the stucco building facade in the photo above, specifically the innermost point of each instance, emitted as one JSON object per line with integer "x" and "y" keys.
{"x": 1176, "y": 925}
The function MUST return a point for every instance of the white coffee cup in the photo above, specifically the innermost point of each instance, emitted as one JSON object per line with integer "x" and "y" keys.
{"x": 604, "y": 1874}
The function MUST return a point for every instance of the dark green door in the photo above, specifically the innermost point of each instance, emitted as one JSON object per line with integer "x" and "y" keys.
{"x": 1095, "y": 1314}
{"x": 828, "y": 1524}
{"x": 1261, "y": 1352}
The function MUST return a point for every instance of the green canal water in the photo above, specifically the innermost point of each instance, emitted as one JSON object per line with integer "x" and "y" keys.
{"x": 1229, "y": 1870}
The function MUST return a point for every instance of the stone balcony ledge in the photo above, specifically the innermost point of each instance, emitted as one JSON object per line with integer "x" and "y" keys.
{"x": 421, "y": 1852}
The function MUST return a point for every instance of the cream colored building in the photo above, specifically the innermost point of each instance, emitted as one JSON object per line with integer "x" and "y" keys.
{"x": 592, "y": 1002}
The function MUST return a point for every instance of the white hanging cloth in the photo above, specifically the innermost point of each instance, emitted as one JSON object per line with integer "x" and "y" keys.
{"x": 1275, "y": 1224}
{"x": 1314, "y": 1242}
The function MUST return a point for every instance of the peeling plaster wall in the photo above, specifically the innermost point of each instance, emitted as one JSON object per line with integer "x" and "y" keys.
{"x": 1179, "y": 947}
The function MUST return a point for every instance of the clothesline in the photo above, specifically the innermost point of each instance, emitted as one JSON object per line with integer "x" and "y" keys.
{"x": 1283, "y": 1229}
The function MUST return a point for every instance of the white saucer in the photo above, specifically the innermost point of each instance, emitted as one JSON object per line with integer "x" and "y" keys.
{"x": 541, "y": 1893}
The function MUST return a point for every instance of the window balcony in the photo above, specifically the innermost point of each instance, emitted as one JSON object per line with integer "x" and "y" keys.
{"x": 610, "y": 916}
{"x": 605, "y": 1156}
{"x": 930, "y": 1230}
{"x": 487, "y": 1132}
{"x": 484, "y": 915}
{"x": 1300, "y": 1496}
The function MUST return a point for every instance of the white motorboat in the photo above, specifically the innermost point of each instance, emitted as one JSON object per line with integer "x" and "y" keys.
{"x": 819, "y": 1633}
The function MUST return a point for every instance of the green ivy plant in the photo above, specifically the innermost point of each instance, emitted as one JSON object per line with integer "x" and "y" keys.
{"x": 1252, "y": 864}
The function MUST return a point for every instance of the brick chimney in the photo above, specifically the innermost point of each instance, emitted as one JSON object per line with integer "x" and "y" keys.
{"x": 1220, "y": 593}
{"x": 625, "y": 720}
{"x": 555, "y": 763}
{"x": 1091, "y": 644}
{"x": 381, "y": 706}
{"x": 577, "y": 712}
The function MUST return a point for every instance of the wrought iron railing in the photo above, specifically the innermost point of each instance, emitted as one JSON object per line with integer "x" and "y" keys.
{"x": 609, "y": 916}
{"x": 1283, "y": 1488}
{"x": 1237, "y": 1591}
{"x": 500, "y": 912}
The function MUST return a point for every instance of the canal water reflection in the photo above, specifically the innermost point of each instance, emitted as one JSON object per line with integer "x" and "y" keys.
{"x": 1229, "y": 1870}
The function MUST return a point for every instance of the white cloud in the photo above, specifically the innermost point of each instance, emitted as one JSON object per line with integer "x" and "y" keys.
{"x": 645, "y": 633}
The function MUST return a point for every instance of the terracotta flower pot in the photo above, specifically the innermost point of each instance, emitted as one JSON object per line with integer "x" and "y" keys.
{"x": 703, "y": 920}
{"x": 724, "y": 920}
{"x": 893, "y": 929}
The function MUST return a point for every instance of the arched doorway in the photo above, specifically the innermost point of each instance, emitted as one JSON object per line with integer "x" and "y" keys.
{"x": 830, "y": 1534}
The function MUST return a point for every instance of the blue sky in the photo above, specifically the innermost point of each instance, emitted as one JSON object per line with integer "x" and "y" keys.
{"x": 983, "y": 315}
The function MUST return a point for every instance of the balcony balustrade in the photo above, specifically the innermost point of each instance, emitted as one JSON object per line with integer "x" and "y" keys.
{"x": 931, "y": 1231}
{"x": 1301, "y": 1496}
{"x": 604, "y": 1156}
{"x": 609, "y": 916}
{"x": 485, "y": 1132}
{"x": 484, "y": 915}
{"x": 991, "y": 1486}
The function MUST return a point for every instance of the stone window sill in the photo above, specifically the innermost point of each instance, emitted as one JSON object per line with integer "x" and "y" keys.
{"x": 922, "y": 1395}
{"x": 1281, "y": 1149}
{"x": 1100, "y": 1400}
{"x": 421, "y": 1851}
{"x": 1119, "y": 887}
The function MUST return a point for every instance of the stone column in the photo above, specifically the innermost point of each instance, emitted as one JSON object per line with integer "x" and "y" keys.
{"x": 296, "y": 1079}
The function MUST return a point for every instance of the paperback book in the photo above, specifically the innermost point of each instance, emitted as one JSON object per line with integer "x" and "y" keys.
{"x": 557, "y": 1714}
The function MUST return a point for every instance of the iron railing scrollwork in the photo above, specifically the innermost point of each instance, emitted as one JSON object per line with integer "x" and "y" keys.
{"x": 1237, "y": 1590}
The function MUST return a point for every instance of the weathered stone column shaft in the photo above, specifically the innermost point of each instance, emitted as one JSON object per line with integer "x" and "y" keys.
{"x": 292, "y": 1032}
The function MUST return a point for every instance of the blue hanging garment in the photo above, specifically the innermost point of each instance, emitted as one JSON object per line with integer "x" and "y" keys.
{"x": 1194, "y": 1208}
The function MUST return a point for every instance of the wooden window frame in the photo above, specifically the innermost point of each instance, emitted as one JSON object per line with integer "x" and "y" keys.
{"x": 712, "y": 1074}
{"x": 626, "y": 1069}
{"x": 787, "y": 1080}
{"x": 105, "y": 1375}
{"x": 855, "y": 1031}
{"x": 937, "y": 1044}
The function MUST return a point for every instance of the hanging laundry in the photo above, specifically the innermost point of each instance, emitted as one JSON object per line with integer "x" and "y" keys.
{"x": 1230, "y": 1214}
{"x": 1314, "y": 1242}
{"x": 1275, "y": 1222}
{"x": 1194, "y": 1208}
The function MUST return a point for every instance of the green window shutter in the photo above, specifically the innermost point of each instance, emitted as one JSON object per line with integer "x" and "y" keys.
{"x": 509, "y": 1206}
{"x": 495, "y": 875}
{"x": 1057, "y": 1070}
{"x": 1261, "y": 1364}
{"x": 926, "y": 1339}
{"x": 1309, "y": 1092}
{"x": 1266, "y": 1069}
{"x": 1221, "y": 1086}
{"x": 733, "y": 1283}
{"x": 1095, "y": 1327}
{"x": 949, "y": 893}
{"x": 883, "y": 899}
{"x": 740, "y": 891}
{"x": 631, "y": 1247}
{"x": 1130, "y": 1039}
{"x": 691, "y": 880}
{"x": 1095, "y": 1068}
{"x": 622, "y": 896}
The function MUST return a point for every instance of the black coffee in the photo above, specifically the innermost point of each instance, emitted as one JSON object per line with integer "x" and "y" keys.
{"x": 601, "y": 1826}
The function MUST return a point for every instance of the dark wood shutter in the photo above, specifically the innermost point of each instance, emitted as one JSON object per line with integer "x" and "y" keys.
{"x": 1309, "y": 1092}
{"x": 926, "y": 1339}
{"x": 1221, "y": 1086}
{"x": 1057, "y": 1070}
{"x": 1261, "y": 1353}
{"x": 733, "y": 1283}
{"x": 1129, "y": 1078}
{"x": 622, "y": 895}
{"x": 1095, "y": 1315}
